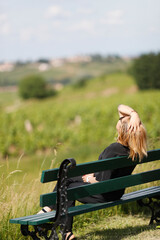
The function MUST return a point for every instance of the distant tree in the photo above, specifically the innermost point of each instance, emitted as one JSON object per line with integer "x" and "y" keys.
{"x": 146, "y": 71}
{"x": 43, "y": 60}
{"x": 97, "y": 57}
{"x": 20, "y": 63}
{"x": 82, "y": 81}
{"x": 34, "y": 86}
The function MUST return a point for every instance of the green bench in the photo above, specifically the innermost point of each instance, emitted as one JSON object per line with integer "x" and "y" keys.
{"x": 48, "y": 225}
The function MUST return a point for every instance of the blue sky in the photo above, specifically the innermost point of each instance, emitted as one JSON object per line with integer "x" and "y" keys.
{"x": 35, "y": 29}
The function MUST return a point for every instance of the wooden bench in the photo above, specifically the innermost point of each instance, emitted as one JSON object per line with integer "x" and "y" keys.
{"x": 45, "y": 225}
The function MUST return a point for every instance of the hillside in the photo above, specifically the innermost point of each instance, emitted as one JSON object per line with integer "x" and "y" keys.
{"x": 62, "y": 71}
{"x": 83, "y": 116}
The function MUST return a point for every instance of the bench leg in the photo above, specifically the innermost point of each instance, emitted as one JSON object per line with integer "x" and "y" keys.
{"x": 154, "y": 205}
{"x": 39, "y": 231}
{"x": 61, "y": 218}
{"x": 56, "y": 231}
{"x": 26, "y": 232}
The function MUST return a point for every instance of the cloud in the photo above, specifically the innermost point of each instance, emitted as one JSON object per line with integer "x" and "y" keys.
{"x": 26, "y": 34}
{"x": 35, "y": 34}
{"x": 4, "y": 24}
{"x": 86, "y": 11}
{"x": 56, "y": 11}
{"x": 113, "y": 18}
{"x": 154, "y": 29}
{"x": 85, "y": 25}
{"x": 3, "y": 17}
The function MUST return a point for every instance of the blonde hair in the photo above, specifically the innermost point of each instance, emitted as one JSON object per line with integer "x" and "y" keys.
{"x": 135, "y": 140}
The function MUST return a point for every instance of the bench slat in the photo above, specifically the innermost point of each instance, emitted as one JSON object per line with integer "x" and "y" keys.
{"x": 46, "y": 217}
{"x": 100, "y": 165}
{"x": 102, "y": 187}
{"x": 24, "y": 220}
{"x": 80, "y": 209}
{"x": 134, "y": 196}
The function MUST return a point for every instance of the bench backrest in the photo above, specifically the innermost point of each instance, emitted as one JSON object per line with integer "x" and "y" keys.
{"x": 105, "y": 186}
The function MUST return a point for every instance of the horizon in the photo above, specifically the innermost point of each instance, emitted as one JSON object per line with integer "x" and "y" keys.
{"x": 67, "y": 58}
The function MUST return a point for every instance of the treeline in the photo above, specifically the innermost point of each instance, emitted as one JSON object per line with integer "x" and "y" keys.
{"x": 146, "y": 71}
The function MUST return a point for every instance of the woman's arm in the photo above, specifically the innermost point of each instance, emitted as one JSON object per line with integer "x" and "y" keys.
{"x": 126, "y": 111}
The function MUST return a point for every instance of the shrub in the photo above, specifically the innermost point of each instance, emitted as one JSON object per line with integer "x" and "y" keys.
{"x": 34, "y": 86}
{"x": 82, "y": 82}
{"x": 146, "y": 71}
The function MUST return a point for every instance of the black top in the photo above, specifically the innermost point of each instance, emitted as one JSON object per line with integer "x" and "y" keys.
{"x": 114, "y": 150}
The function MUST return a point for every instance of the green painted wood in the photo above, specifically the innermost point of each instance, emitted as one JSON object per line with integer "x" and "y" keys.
{"x": 81, "y": 209}
{"x": 44, "y": 218}
{"x": 24, "y": 220}
{"x": 50, "y": 218}
{"x": 99, "y": 165}
{"x": 35, "y": 218}
{"x": 103, "y": 187}
{"x": 134, "y": 196}
{"x": 16, "y": 220}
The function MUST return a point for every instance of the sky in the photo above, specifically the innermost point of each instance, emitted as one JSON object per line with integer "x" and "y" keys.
{"x": 34, "y": 29}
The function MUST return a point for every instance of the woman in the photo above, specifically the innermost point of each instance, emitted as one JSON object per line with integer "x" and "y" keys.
{"x": 131, "y": 141}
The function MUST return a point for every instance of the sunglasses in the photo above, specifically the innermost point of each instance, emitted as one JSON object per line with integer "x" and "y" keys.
{"x": 121, "y": 118}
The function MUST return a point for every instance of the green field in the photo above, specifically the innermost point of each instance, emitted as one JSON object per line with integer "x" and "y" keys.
{"x": 79, "y": 123}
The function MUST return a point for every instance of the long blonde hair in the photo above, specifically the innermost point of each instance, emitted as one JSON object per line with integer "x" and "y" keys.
{"x": 135, "y": 140}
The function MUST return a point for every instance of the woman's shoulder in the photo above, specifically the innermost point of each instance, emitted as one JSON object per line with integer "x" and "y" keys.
{"x": 113, "y": 150}
{"x": 115, "y": 146}
{"x": 119, "y": 147}
{"x": 111, "y": 147}
{"x": 108, "y": 151}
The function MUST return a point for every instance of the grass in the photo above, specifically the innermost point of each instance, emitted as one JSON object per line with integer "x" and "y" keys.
{"x": 56, "y": 135}
{"x": 117, "y": 227}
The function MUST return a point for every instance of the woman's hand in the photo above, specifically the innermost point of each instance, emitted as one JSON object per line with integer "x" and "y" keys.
{"x": 89, "y": 178}
{"x": 134, "y": 122}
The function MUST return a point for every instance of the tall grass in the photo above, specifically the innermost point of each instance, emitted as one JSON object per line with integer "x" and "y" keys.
{"x": 19, "y": 196}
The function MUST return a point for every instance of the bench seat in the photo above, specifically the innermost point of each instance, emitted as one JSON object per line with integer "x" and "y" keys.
{"x": 43, "y": 218}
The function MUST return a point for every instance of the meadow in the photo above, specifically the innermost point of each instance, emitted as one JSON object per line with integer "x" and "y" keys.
{"x": 79, "y": 122}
